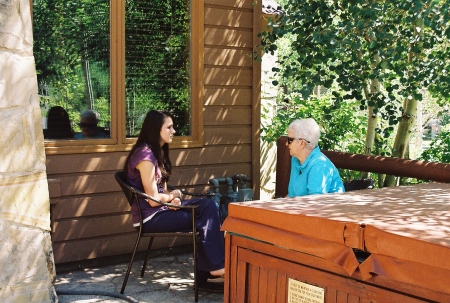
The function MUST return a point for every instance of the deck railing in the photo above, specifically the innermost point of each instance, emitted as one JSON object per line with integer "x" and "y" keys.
{"x": 433, "y": 171}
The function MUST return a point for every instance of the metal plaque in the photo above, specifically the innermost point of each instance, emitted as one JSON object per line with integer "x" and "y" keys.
{"x": 299, "y": 292}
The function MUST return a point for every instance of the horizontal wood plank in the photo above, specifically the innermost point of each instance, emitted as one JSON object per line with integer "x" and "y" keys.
{"x": 202, "y": 175}
{"x": 228, "y": 77}
{"x": 214, "y": 155}
{"x": 228, "y": 96}
{"x": 231, "y": 3}
{"x": 228, "y": 57}
{"x": 228, "y": 37}
{"x": 224, "y": 135}
{"x": 54, "y": 188}
{"x": 228, "y": 17}
{"x": 227, "y": 115}
{"x": 89, "y": 227}
{"x": 85, "y": 249}
{"x": 74, "y": 207}
{"x": 102, "y": 182}
{"x": 73, "y": 163}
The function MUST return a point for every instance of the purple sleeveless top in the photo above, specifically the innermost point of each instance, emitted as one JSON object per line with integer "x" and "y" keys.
{"x": 143, "y": 153}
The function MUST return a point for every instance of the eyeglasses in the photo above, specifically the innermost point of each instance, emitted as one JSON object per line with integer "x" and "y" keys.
{"x": 290, "y": 140}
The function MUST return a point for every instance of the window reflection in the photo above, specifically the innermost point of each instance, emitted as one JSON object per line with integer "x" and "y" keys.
{"x": 89, "y": 126}
{"x": 58, "y": 124}
{"x": 71, "y": 49}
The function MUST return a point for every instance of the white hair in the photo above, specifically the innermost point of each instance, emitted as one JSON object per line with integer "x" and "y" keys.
{"x": 307, "y": 129}
{"x": 90, "y": 114}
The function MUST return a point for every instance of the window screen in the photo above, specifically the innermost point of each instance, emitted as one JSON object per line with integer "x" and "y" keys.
{"x": 157, "y": 71}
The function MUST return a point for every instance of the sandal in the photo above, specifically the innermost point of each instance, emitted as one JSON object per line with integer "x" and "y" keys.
{"x": 215, "y": 279}
{"x": 209, "y": 283}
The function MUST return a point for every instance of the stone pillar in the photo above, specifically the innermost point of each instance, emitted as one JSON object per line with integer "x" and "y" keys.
{"x": 26, "y": 257}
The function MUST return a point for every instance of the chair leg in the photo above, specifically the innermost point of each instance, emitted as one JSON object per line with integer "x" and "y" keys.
{"x": 195, "y": 267}
{"x": 194, "y": 239}
{"x": 124, "y": 284}
{"x": 146, "y": 256}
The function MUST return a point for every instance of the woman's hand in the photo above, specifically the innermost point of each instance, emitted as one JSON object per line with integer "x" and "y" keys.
{"x": 176, "y": 193}
{"x": 175, "y": 201}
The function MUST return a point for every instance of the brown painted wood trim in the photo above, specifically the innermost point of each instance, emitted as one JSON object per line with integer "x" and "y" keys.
{"x": 283, "y": 168}
{"x": 256, "y": 103}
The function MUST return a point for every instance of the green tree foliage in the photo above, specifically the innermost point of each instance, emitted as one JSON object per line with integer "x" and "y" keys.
{"x": 382, "y": 54}
{"x": 439, "y": 150}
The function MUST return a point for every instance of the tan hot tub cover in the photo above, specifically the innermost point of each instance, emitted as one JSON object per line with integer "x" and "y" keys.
{"x": 406, "y": 229}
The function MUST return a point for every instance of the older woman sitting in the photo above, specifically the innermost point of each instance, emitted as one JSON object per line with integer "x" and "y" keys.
{"x": 311, "y": 171}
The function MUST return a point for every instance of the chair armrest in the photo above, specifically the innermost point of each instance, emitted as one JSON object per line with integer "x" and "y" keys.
{"x": 192, "y": 193}
{"x": 138, "y": 192}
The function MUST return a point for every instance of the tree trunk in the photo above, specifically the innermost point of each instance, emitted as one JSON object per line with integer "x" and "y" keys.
{"x": 371, "y": 123}
{"x": 406, "y": 126}
{"x": 419, "y": 129}
{"x": 87, "y": 79}
{"x": 404, "y": 130}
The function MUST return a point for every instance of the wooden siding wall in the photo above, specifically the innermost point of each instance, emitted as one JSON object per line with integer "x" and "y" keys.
{"x": 90, "y": 216}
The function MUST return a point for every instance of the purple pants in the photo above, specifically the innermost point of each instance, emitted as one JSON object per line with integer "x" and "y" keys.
{"x": 211, "y": 251}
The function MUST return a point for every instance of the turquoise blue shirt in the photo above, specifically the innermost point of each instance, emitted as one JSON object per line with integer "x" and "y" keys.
{"x": 317, "y": 175}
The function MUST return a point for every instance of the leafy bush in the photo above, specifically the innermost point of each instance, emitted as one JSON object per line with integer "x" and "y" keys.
{"x": 343, "y": 130}
{"x": 439, "y": 150}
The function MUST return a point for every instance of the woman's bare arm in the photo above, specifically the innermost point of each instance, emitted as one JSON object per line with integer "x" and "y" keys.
{"x": 147, "y": 171}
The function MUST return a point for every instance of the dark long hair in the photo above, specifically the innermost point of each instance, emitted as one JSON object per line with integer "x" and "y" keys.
{"x": 58, "y": 124}
{"x": 150, "y": 134}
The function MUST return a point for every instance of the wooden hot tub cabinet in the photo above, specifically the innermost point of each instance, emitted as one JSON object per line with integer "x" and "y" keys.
{"x": 311, "y": 241}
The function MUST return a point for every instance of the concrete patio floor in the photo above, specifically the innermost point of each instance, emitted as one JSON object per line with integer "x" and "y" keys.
{"x": 168, "y": 278}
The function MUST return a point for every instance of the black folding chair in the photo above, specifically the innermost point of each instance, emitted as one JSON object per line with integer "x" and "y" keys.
{"x": 359, "y": 184}
{"x": 132, "y": 195}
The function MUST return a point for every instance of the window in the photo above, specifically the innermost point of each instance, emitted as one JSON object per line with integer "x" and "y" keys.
{"x": 103, "y": 64}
